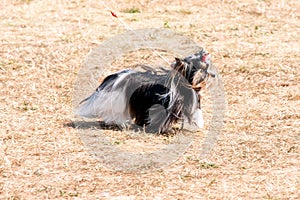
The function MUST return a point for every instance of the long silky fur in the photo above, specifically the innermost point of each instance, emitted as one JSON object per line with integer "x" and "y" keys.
{"x": 151, "y": 100}
{"x": 108, "y": 101}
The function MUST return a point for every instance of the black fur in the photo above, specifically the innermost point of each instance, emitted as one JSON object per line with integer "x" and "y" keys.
{"x": 148, "y": 99}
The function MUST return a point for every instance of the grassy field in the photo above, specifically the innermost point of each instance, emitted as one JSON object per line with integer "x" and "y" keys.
{"x": 254, "y": 43}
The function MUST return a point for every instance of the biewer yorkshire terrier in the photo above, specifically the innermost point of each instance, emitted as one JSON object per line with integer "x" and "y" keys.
{"x": 150, "y": 99}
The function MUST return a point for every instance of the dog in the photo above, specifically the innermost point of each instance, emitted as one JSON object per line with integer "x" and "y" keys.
{"x": 152, "y": 100}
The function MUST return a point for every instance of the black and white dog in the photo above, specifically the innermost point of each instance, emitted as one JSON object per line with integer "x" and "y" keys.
{"x": 151, "y": 100}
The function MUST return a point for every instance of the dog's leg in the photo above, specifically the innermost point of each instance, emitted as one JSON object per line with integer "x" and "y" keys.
{"x": 198, "y": 118}
{"x": 182, "y": 124}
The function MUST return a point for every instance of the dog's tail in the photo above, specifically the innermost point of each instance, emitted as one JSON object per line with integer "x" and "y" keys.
{"x": 108, "y": 102}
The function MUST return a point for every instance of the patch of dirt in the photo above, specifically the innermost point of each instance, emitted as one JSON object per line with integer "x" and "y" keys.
{"x": 254, "y": 44}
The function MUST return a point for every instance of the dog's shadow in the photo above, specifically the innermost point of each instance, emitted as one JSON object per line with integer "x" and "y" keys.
{"x": 101, "y": 125}
{"x": 95, "y": 125}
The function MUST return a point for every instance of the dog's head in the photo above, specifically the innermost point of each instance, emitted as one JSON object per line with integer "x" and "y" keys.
{"x": 196, "y": 68}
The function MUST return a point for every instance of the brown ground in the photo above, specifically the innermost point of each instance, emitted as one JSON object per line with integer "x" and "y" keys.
{"x": 255, "y": 45}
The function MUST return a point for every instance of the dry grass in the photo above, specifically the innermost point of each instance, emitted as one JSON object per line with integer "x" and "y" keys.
{"x": 255, "y": 45}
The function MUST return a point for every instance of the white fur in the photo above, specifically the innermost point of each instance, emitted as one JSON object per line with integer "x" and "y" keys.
{"x": 110, "y": 106}
{"x": 198, "y": 118}
{"x": 122, "y": 75}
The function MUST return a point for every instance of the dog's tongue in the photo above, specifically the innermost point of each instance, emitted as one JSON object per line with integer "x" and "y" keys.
{"x": 205, "y": 58}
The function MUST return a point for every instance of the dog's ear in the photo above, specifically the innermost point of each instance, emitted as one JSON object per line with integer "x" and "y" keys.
{"x": 178, "y": 60}
{"x": 178, "y": 65}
